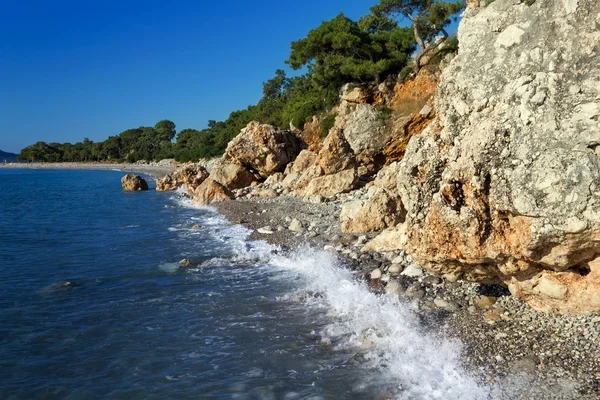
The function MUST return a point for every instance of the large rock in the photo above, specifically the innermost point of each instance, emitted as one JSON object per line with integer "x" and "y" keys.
{"x": 232, "y": 175}
{"x": 211, "y": 191}
{"x": 189, "y": 176}
{"x": 330, "y": 185}
{"x": 366, "y": 132}
{"x": 504, "y": 185}
{"x": 380, "y": 211}
{"x": 336, "y": 154}
{"x": 133, "y": 182}
{"x": 354, "y": 93}
{"x": 264, "y": 148}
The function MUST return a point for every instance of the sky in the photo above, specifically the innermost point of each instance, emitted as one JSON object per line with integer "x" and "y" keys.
{"x": 72, "y": 69}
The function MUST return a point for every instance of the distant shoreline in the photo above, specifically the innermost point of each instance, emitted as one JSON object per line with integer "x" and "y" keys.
{"x": 152, "y": 170}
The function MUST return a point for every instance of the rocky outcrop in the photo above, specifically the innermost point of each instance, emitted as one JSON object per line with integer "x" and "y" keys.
{"x": 336, "y": 154}
{"x": 504, "y": 185}
{"x": 330, "y": 185}
{"x": 381, "y": 210}
{"x": 232, "y": 175}
{"x": 211, "y": 191}
{"x": 189, "y": 176}
{"x": 354, "y": 93}
{"x": 366, "y": 132}
{"x": 133, "y": 182}
{"x": 264, "y": 148}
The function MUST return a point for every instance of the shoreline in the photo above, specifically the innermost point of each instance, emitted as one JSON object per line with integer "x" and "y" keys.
{"x": 156, "y": 171}
{"x": 505, "y": 342}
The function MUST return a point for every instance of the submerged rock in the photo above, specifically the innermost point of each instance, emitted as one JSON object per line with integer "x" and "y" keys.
{"x": 211, "y": 191}
{"x": 133, "y": 182}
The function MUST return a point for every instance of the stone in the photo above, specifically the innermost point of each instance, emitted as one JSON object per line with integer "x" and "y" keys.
{"x": 502, "y": 186}
{"x": 133, "y": 182}
{"x": 412, "y": 271}
{"x": 395, "y": 269}
{"x": 365, "y": 132}
{"x": 382, "y": 210}
{"x": 266, "y": 230}
{"x": 387, "y": 177}
{"x": 185, "y": 263}
{"x": 354, "y": 93}
{"x": 211, "y": 191}
{"x": 331, "y": 185}
{"x": 485, "y": 301}
{"x": 336, "y": 154}
{"x": 196, "y": 226}
{"x": 376, "y": 274}
{"x": 389, "y": 240}
{"x": 188, "y": 177}
{"x": 232, "y": 175}
{"x": 296, "y": 226}
{"x": 264, "y": 148}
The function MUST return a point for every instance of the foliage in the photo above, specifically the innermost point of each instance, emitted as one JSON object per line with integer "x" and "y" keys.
{"x": 342, "y": 50}
{"x": 429, "y": 19}
{"x": 487, "y": 2}
{"x": 450, "y": 46}
{"x": 405, "y": 73}
{"x": 327, "y": 123}
{"x": 384, "y": 115}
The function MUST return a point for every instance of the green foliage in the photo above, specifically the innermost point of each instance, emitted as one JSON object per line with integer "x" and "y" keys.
{"x": 453, "y": 118}
{"x": 405, "y": 73}
{"x": 342, "y": 50}
{"x": 428, "y": 18}
{"x": 327, "y": 123}
{"x": 529, "y": 2}
{"x": 384, "y": 115}
{"x": 487, "y": 2}
{"x": 450, "y": 46}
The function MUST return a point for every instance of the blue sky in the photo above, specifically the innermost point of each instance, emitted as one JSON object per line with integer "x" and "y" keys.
{"x": 71, "y": 69}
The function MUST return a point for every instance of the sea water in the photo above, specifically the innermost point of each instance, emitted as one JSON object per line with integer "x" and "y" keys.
{"x": 94, "y": 305}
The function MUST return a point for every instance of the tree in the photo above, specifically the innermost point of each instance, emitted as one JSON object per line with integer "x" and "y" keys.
{"x": 428, "y": 17}
{"x": 342, "y": 50}
{"x": 165, "y": 129}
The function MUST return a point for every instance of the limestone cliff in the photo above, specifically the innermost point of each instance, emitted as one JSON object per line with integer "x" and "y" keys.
{"x": 504, "y": 185}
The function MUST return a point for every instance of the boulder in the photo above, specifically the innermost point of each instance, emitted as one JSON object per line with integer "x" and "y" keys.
{"x": 264, "y": 148}
{"x": 305, "y": 160}
{"x": 336, "y": 154}
{"x": 134, "y": 182}
{"x": 380, "y": 211}
{"x": 366, "y": 132}
{"x": 211, "y": 191}
{"x": 390, "y": 239}
{"x": 189, "y": 176}
{"x": 354, "y": 93}
{"x": 330, "y": 185}
{"x": 387, "y": 177}
{"x": 503, "y": 185}
{"x": 232, "y": 175}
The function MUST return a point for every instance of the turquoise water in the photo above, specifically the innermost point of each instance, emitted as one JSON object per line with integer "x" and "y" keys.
{"x": 244, "y": 322}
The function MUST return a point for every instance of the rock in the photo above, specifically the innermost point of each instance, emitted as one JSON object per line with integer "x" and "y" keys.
{"x": 305, "y": 160}
{"x": 376, "y": 274}
{"x": 387, "y": 177}
{"x": 296, "y": 226}
{"x": 336, "y": 154}
{"x": 274, "y": 179}
{"x": 264, "y": 148}
{"x": 389, "y": 240}
{"x": 380, "y": 211}
{"x": 443, "y": 304}
{"x": 211, "y": 191}
{"x": 485, "y": 301}
{"x": 394, "y": 288}
{"x": 264, "y": 192}
{"x": 330, "y": 185}
{"x": 196, "y": 226}
{"x": 133, "y": 182}
{"x": 365, "y": 131}
{"x": 395, "y": 269}
{"x": 503, "y": 185}
{"x": 189, "y": 177}
{"x": 412, "y": 271}
{"x": 185, "y": 263}
{"x": 232, "y": 175}
{"x": 266, "y": 230}
{"x": 354, "y": 93}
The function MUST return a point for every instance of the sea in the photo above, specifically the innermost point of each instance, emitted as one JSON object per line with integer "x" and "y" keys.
{"x": 94, "y": 305}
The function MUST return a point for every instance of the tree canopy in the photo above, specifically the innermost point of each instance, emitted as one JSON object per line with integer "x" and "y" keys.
{"x": 429, "y": 18}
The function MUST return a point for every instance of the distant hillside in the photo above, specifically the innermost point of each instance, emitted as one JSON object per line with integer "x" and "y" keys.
{"x": 9, "y": 157}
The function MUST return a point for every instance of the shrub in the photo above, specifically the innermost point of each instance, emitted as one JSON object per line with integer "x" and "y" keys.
{"x": 327, "y": 124}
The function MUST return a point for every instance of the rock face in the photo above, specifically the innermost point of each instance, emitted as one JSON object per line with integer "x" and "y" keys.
{"x": 133, "y": 182}
{"x": 232, "y": 175}
{"x": 264, "y": 148}
{"x": 365, "y": 131}
{"x": 336, "y": 154}
{"x": 190, "y": 177}
{"x": 380, "y": 211}
{"x": 211, "y": 191}
{"x": 504, "y": 185}
{"x": 330, "y": 185}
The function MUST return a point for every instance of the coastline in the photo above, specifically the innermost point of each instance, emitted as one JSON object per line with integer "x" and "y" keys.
{"x": 156, "y": 171}
{"x": 506, "y": 344}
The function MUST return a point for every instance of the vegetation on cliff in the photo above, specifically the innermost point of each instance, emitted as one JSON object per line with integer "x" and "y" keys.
{"x": 338, "y": 51}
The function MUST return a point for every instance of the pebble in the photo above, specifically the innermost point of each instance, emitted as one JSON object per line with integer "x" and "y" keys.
{"x": 395, "y": 269}
{"x": 265, "y": 230}
{"x": 485, "y": 301}
{"x": 196, "y": 226}
{"x": 376, "y": 274}
{"x": 412, "y": 271}
{"x": 296, "y": 226}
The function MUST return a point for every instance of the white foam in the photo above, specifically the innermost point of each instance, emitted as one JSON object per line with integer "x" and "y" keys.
{"x": 424, "y": 367}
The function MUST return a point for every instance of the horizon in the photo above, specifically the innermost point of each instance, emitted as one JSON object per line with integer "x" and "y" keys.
{"x": 94, "y": 70}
